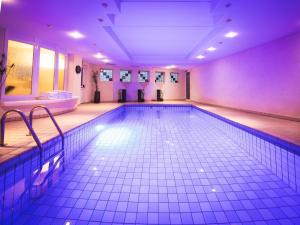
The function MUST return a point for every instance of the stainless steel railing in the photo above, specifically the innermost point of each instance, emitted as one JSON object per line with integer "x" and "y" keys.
{"x": 22, "y": 115}
{"x": 29, "y": 125}
{"x": 51, "y": 117}
{"x": 40, "y": 174}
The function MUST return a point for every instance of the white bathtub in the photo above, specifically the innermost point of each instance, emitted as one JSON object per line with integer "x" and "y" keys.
{"x": 56, "y": 106}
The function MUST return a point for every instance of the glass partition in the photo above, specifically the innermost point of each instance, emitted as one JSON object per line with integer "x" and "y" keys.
{"x": 61, "y": 71}
{"x": 20, "y": 77}
{"x": 46, "y": 72}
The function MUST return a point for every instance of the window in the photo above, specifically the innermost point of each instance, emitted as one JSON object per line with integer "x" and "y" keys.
{"x": 20, "y": 77}
{"x": 106, "y": 75}
{"x": 61, "y": 71}
{"x": 125, "y": 76}
{"x": 143, "y": 76}
{"x": 46, "y": 75}
{"x": 159, "y": 77}
{"x": 174, "y": 77}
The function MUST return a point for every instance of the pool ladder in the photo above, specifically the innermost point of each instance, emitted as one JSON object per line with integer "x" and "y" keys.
{"x": 52, "y": 164}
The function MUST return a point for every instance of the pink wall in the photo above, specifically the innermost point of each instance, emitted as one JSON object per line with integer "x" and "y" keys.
{"x": 109, "y": 90}
{"x": 87, "y": 90}
{"x": 74, "y": 79}
{"x": 264, "y": 79}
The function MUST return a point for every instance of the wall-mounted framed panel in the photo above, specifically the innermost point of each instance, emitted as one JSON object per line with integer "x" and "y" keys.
{"x": 159, "y": 77}
{"x": 106, "y": 75}
{"x": 125, "y": 75}
{"x": 174, "y": 77}
{"x": 143, "y": 76}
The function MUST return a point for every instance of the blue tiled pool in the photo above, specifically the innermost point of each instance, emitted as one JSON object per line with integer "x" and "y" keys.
{"x": 169, "y": 165}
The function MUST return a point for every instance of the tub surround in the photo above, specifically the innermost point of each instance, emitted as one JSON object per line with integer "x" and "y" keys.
{"x": 57, "y": 106}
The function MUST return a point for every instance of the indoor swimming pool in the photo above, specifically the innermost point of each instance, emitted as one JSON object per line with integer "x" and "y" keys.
{"x": 168, "y": 165}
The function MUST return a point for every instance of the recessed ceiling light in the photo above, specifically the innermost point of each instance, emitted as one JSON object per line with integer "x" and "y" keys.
{"x": 170, "y": 67}
{"x": 7, "y": 1}
{"x": 231, "y": 34}
{"x": 211, "y": 49}
{"x": 76, "y": 34}
{"x": 200, "y": 57}
{"x": 99, "y": 56}
{"x": 105, "y": 60}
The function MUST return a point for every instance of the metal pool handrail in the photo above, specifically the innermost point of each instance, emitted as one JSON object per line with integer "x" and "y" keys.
{"x": 51, "y": 117}
{"x": 22, "y": 115}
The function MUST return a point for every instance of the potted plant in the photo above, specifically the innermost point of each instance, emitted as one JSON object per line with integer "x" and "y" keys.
{"x": 4, "y": 71}
{"x": 97, "y": 92}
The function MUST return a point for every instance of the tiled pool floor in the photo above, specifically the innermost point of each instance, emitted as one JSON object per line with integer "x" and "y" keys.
{"x": 153, "y": 168}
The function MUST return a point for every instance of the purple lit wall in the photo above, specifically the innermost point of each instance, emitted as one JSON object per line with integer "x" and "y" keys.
{"x": 265, "y": 79}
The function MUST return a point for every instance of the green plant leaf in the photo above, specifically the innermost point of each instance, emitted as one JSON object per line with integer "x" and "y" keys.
{"x": 9, "y": 88}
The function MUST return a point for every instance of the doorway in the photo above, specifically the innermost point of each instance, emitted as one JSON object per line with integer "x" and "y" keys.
{"x": 187, "y": 81}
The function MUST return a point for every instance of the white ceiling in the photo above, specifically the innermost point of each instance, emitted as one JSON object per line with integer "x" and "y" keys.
{"x": 152, "y": 33}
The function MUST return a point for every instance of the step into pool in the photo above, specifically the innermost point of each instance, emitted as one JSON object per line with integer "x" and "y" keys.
{"x": 169, "y": 165}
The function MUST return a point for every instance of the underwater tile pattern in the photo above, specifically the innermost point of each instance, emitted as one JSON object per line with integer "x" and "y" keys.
{"x": 16, "y": 177}
{"x": 281, "y": 157}
{"x": 165, "y": 165}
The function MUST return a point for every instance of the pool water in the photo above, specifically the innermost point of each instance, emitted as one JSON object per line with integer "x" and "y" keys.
{"x": 164, "y": 165}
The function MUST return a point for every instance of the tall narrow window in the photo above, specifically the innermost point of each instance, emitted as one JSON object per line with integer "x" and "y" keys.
{"x": 46, "y": 75}
{"x": 61, "y": 71}
{"x": 20, "y": 77}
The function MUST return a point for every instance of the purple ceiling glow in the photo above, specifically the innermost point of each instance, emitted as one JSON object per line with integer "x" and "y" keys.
{"x": 152, "y": 33}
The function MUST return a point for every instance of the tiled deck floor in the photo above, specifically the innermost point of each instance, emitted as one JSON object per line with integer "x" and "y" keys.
{"x": 165, "y": 170}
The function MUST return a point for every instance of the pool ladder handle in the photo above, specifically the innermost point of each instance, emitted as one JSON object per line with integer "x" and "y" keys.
{"x": 34, "y": 136}
{"x": 51, "y": 117}
{"x": 30, "y": 128}
{"x": 41, "y": 177}
{"x": 54, "y": 122}
{"x": 37, "y": 140}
